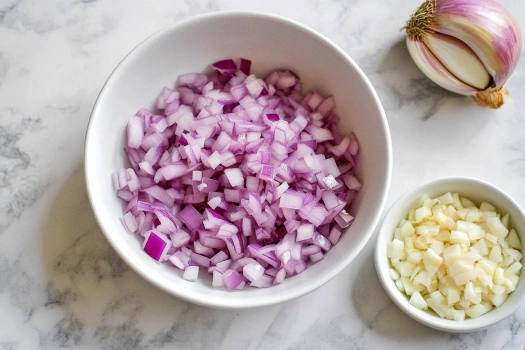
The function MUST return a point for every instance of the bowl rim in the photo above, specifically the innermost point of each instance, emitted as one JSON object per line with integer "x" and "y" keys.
{"x": 399, "y": 298}
{"x": 321, "y": 280}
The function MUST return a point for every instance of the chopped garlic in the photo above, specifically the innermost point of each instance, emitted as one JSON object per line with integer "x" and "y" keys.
{"x": 453, "y": 296}
{"x": 505, "y": 220}
{"x": 454, "y": 258}
{"x": 485, "y": 206}
{"x": 459, "y": 237}
{"x": 495, "y": 254}
{"x": 516, "y": 255}
{"x": 476, "y": 311}
{"x": 446, "y": 199}
{"x": 496, "y": 227}
{"x": 481, "y": 247}
{"x": 394, "y": 275}
{"x": 457, "y": 201}
{"x": 491, "y": 238}
{"x": 417, "y": 300}
{"x": 513, "y": 269}
{"x": 459, "y": 315}
{"x": 401, "y": 287}
{"x": 513, "y": 239}
{"x": 407, "y": 229}
{"x": 432, "y": 261}
{"x": 467, "y": 203}
{"x": 422, "y": 213}
{"x": 498, "y": 289}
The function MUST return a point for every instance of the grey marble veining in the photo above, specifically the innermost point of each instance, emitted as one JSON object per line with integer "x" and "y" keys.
{"x": 63, "y": 286}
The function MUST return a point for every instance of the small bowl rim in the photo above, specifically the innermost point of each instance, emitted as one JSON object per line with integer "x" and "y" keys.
{"x": 316, "y": 283}
{"x": 399, "y": 298}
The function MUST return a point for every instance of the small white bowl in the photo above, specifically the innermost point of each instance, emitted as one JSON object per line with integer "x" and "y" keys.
{"x": 270, "y": 42}
{"x": 477, "y": 191}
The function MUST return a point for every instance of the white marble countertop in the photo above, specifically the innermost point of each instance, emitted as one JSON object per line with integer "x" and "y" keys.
{"x": 62, "y": 285}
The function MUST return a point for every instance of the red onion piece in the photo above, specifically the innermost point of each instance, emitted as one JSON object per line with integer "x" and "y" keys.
{"x": 231, "y": 279}
{"x": 156, "y": 245}
{"x": 191, "y": 273}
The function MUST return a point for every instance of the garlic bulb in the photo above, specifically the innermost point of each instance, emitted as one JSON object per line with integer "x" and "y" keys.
{"x": 469, "y": 47}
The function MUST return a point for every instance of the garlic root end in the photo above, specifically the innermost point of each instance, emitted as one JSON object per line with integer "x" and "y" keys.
{"x": 418, "y": 25}
{"x": 491, "y": 98}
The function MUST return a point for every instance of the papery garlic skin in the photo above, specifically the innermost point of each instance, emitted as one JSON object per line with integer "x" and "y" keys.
{"x": 483, "y": 25}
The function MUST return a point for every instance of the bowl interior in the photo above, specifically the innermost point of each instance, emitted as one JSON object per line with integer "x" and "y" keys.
{"x": 477, "y": 191}
{"x": 271, "y": 43}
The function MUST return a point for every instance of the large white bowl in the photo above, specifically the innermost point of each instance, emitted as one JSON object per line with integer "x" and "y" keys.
{"x": 271, "y": 42}
{"x": 477, "y": 191}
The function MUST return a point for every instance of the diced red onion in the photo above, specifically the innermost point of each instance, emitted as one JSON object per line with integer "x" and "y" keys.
{"x": 253, "y": 271}
{"x": 191, "y": 217}
{"x": 201, "y": 249}
{"x": 321, "y": 241}
{"x": 180, "y": 259}
{"x": 129, "y": 222}
{"x": 223, "y": 265}
{"x": 234, "y": 176}
{"x": 310, "y": 249}
{"x": 264, "y": 281}
{"x": 279, "y": 278}
{"x": 317, "y": 257}
{"x": 226, "y": 67}
{"x": 334, "y": 235}
{"x": 214, "y": 202}
{"x": 135, "y": 132}
{"x": 304, "y": 232}
{"x": 213, "y": 243}
{"x": 159, "y": 193}
{"x": 231, "y": 279}
{"x": 156, "y": 245}
{"x": 180, "y": 238}
{"x": 244, "y": 177}
{"x": 220, "y": 256}
{"x": 200, "y": 260}
{"x": 291, "y": 200}
{"x": 191, "y": 273}
{"x": 217, "y": 281}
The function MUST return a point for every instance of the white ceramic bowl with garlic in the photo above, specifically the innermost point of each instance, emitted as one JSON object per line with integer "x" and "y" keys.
{"x": 458, "y": 258}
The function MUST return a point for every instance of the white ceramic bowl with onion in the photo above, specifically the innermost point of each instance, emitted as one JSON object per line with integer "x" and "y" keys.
{"x": 477, "y": 191}
{"x": 270, "y": 42}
